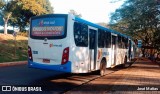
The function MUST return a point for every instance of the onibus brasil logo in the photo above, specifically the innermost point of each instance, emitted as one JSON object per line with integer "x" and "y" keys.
{"x": 19, "y": 88}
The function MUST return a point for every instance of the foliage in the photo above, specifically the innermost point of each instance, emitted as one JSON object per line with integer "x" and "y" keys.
{"x": 18, "y": 12}
{"x": 6, "y": 9}
{"x": 1, "y": 20}
{"x": 103, "y": 24}
{"x": 138, "y": 18}
{"x": 28, "y": 8}
{"x": 74, "y": 13}
{"x": 35, "y": 6}
{"x": 1, "y": 3}
{"x": 9, "y": 31}
{"x": 47, "y": 6}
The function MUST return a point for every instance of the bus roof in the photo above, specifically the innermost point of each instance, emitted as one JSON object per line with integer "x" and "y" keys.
{"x": 91, "y": 24}
{"x": 100, "y": 27}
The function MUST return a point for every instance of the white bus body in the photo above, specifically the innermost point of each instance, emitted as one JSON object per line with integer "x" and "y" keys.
{"x": 67, "y": 43}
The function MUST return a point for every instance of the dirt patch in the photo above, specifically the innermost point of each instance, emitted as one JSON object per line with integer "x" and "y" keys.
{"x": 4, "y": 37}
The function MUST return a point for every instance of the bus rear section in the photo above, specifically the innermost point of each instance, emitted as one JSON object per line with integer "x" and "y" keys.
{"x": 48, "y": 47}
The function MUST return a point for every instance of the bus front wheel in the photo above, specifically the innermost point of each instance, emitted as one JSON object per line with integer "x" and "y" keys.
{"x": 102, "y": 67}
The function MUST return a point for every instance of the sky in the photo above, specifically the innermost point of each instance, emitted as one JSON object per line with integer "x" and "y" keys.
{"x": 92, "y": 10}
{"x": 95, "y": 11}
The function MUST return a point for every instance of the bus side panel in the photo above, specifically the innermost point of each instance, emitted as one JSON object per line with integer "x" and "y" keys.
{"x": 109, "y": 62}
{"x": 79, "y": 56}
{"x": 80, "y": 59}
{"x": 124, "y": 54}
{"x": 104, "y": 53}
{"x": 71, "y": 42}
{"x": 120, "y": 56}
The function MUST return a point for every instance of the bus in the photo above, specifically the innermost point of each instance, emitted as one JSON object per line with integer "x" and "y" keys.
{"x": 67, "y": 43}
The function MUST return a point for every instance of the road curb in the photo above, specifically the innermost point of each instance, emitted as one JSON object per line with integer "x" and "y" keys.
{"x": 7, "y": 64}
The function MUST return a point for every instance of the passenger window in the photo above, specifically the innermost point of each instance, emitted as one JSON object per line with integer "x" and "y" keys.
{"x": 101, "y": 38}
{"x": 81, "y": 34}
{"x": 119, "y": 41}
{"x": 108, "y": 40}
{"x": 124, "y": 42}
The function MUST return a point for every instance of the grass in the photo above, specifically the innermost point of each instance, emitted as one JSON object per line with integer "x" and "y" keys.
{"x": 7, "y": 48}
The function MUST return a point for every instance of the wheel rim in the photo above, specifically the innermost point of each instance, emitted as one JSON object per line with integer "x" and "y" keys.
{"x": 102, "y": 70}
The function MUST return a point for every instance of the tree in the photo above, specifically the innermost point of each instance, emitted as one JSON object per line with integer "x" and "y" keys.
{"x": 157, "y": 33}
{"x": 47, "y": 6}
{"x": 18, "y": 12}
{"x": 1, "y": 3}
{"x": 25, "y": 9}
{"x": 103, "y": 24}
{"x": 6, "y": 12}
{"x": 138, "y": 18}
{"x": 74, "y": 13}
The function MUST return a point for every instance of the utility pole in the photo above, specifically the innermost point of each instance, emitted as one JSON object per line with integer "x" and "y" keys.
{"x": 15, "y": 46}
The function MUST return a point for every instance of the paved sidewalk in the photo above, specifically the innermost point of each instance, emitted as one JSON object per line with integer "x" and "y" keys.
{"x": 143, "y": 77}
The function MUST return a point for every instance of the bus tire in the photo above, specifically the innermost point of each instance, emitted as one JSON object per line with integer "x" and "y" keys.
{"x": 103, "y": 67}
{"x": 125, "y": 61}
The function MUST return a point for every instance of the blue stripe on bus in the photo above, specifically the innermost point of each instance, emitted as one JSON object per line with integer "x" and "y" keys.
{"x": 65, "y": 68}
{"x": 91, "y": 24}
{"x": 99, "y": 27}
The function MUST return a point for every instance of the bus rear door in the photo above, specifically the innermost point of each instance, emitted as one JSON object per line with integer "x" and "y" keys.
{"x": 92, "y": 49}
{"x": 113, "y": 50}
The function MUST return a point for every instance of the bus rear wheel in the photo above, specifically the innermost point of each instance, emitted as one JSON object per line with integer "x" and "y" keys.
{"x": 102, "y": 67}
{"x": 124, "y": 63}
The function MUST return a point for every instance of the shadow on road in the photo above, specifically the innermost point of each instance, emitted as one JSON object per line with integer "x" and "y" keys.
{"x": 67, "y": 81}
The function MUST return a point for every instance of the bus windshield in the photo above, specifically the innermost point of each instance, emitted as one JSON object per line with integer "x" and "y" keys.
{"x": 50, "y": 27}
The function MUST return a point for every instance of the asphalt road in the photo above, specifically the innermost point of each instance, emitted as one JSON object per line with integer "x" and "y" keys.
{"x": 22, "y": 75}
{"x": 49, "y": 80}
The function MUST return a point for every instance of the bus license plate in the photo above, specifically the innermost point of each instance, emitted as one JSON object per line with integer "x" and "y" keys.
{"x": 46, "y": 60}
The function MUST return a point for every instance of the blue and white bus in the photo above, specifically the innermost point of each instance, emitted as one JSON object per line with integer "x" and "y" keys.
{"x": 68, "y": 43}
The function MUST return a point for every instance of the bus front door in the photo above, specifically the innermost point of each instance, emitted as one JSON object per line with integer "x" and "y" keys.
{"x": 113, "y": 49}
{"x": 92, "y": 49}
{"x": 129, "y": 51}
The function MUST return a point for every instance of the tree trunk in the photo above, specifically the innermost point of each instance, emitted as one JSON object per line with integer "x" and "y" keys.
{"x": 5, "y": 19}
{"x": 20, "y": 28}
{"x": 5, "y": 28}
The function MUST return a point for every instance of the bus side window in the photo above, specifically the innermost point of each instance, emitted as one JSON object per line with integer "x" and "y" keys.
{"x": 119, "y": 42}
{"x": 123, "y": 42}
{"x": 81, "y": 34}
{"x": 101, "y": 38}
{"x": 126, "y": 43}
{"x": 107, "y": 39}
